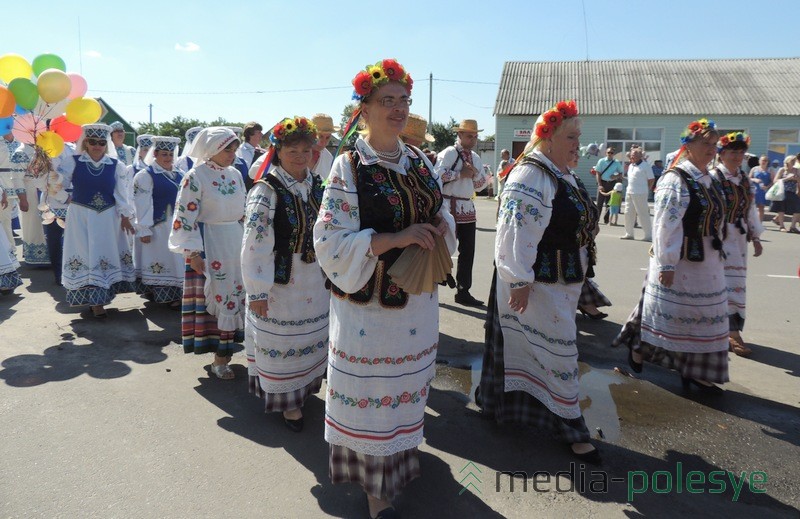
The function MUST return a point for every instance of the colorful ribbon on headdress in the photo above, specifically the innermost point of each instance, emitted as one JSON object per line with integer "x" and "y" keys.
{"x": 350, "y": 128}
{"x": 266, "y": 164}
{"x": 678, "y": 155}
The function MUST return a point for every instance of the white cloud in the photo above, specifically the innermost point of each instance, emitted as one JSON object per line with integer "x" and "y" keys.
{"x": 188, "y": 47}
{"x": 93, "y": 54}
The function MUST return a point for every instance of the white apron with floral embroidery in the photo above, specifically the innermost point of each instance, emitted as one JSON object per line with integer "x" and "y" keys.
{"x": 214, "y": 197}
{"x": 288, "y": 349}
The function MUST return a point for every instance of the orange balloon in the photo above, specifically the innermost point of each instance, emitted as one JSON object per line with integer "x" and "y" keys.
{"x": 7, "y": 102}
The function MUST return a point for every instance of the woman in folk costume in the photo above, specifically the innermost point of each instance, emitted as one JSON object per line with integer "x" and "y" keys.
{"x": 35, "y": 168}
{"x": 9, "y": 277}
{"x": 683, "y": 314}
{"x": 97, "y": 262}
{"x": 185, "y": 162}
{"x": 381, "y": 197}
{"x": 743, "y": 225}
{"x": 143, "y": 145}
{"x": 544, "y": 250}
{"x": 159, "y": 271}
{"x": 207, "y": 230}
{"x": 286, "y": 334}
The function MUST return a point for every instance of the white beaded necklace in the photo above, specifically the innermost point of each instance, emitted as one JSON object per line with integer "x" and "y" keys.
{"x": 391, "y": 155}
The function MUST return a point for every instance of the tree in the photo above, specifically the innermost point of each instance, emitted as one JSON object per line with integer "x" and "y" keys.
{"x": 177, "y": 127}
{"x": 444, "y": 134}
{"x": 347, "y": 113}
{"x": 488, "y": 138}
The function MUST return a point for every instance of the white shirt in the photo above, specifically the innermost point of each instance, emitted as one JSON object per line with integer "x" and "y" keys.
{"x": 246, "y": 152}
{"x": 457, "y": 188}
{"x": 323, "y": 167}
{"x": 638, "y": 175}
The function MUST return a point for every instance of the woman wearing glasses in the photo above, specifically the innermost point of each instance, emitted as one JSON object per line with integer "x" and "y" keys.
{"x": 97, "y": 262}
{"x": 382, "y": 196}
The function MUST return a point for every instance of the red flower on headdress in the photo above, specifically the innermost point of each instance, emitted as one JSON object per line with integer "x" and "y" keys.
{"x": 301, "y": 122}
{"x": 567, "y": 108}
{"x": 724, "y": 141}
{"x": 278, "y": 131}
{"x": 362, "y": 83}
{"x": 695, "y": 126}
{"x": 394, "y": 71}
{"x": 553, "y": 118}
{"x": 409, "y": 83}
{"x": 543, "y": 131}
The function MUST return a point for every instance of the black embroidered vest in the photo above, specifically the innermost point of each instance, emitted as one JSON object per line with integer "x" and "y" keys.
{"x": 572, "y": 226}
{"x": 390, "y": 202}
{"x": 737, "y": 199}
{"x": 294, "y": 226}
{"x": 705, "y": 216}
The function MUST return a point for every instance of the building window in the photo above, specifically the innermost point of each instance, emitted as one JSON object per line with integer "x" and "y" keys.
{"x": 650, "y": 139}
{"x": 783, "y": 143}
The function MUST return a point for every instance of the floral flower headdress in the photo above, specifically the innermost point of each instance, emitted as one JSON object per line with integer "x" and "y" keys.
{"x": 553, "y": 118}
{"x": 732, "y": 138}
{"x": 369, "y": 80}
{"x": 287, "y": 127}
{"x": 695, "y": 129}
{"x": 544, "y": 128}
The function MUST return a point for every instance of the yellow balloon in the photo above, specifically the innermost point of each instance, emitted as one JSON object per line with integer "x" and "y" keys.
{"x": 13, "y": 66}
{"x": 51, "y": 143}
{"x": 83, "y": 110}
{"x": 54, "y": 85}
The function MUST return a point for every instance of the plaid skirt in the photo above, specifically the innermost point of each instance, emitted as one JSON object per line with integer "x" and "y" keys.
{"x": 199, "y": 332}
{"x": 591, "y": 295}
{"x": 274, "y": 402}
{"x": 382, "y": 477}
{"x": 711, "y": 367}
{"x": 517, "y": 406}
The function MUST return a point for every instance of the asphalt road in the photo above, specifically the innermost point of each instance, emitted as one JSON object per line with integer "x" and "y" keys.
{"x": 111, "y": 419}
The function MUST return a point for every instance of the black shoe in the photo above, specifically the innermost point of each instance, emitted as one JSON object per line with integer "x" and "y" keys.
{"x": 592, "y": 457}
{"x": 599, "y": 315}
{"x": 635, "y": 366}
{"x": 294, "y": 425}
{"x": 711, "y": 390}
{"x": 450, "y": 281}
{"x": 466, "y": 299}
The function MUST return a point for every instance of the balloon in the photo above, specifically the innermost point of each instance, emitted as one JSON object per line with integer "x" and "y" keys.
{"x": 50, "y": 110}
{"x": 83, "y": 110}
{"x": 68, "y": 131}
{"x": 25, "y": 127}
{"x": 54, "y": 85}
{"x": 7, "y": 102}
{"x": 25, "y": 92}
{"x": 43, "y": 62}
{"x": 79, "y": 86}
{"x": 13, "y": 66}
{"x": 51, "y": 143}
{"x": 5, "y": 125}
{"x": 21, "y": 111}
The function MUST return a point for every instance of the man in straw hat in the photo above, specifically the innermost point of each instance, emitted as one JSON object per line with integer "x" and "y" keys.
{"x": 462, "y": 173}
{"x": 414, "y": 134}
{"x": 321, "y": 158}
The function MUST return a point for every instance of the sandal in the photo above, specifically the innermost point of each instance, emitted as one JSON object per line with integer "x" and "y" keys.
{"x": 99, "y": 312}
{"x": 794, "y": 230}
{"x": 738, "y": 347}
{"x": 222, "y": 371}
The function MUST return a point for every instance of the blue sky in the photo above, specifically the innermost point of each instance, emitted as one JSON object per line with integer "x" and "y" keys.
{"x": 244, "y": 46}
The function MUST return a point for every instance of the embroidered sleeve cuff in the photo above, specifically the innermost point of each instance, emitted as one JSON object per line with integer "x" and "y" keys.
{"x": 667, "y": 268}
{"x": 258, "y": 297}
{"x": 519, "y": 284}
{"x": 19, "y": 191}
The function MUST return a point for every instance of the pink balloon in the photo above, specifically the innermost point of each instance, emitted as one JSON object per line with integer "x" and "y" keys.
{"x": 26, "y": 127}
{"x": 79, "y": 86}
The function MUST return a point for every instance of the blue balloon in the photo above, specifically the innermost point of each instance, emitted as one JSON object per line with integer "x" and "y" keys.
{"x": 21, "y": 111}
{"x": 5, "y": 125}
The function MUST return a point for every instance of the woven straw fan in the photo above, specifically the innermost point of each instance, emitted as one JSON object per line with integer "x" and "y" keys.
{"x": 419, "y": 270}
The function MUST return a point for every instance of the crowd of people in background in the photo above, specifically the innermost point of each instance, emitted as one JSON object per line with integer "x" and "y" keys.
{"x": 266, "y": 238}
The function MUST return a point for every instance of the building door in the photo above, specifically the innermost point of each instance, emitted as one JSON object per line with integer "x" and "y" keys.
{"x": 517, "y": 147}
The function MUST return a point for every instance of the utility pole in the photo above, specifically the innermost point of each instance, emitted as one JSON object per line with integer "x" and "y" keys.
{"x": 151, "y": 113}
{"x": 430, "y": 100}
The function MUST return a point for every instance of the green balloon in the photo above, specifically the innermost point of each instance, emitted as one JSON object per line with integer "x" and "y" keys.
{"x": 43, "y": 62}
{"x": 25, "y": 92}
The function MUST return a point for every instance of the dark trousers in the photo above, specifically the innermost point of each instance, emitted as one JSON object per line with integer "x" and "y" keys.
{"x": 605, "y": 185}
{"x": 54, "y": 237}
{"x": 465, "y": 234}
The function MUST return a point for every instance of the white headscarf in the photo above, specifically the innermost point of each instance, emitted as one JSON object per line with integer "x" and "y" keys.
{"x": 191, "y": 134}
{"x": 211, "y": 141}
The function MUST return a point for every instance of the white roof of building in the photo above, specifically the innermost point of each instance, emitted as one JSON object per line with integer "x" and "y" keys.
{"x": 653, "y": 87}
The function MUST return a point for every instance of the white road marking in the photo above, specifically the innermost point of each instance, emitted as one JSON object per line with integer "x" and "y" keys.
{"x": 779, "y": 276}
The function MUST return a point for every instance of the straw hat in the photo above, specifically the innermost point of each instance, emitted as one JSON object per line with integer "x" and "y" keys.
{"x": 324, "y": 123}
{"x": 467, "y": 125}
{"x": 415, "y": 129}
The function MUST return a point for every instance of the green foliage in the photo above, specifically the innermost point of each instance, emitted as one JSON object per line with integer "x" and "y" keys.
{"x": 347, "y": 113}
{"x": 444, "y": 134}
{"x": 177, "y": 127}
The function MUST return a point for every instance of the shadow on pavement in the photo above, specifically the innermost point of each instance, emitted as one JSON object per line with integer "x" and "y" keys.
{"x": 122, "y": 336}
{"x": 777, "y": 358}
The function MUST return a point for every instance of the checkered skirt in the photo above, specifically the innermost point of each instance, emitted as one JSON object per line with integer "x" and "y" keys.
{"x": 517, "y": 406}
{"x": 382, "y": 477}
{"x": 711, "y": 367}
{"x": 274, "y": 402}
{"x": 591, "y": 295}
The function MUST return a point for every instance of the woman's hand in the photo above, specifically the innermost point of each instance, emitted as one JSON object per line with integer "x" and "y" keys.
{"x": 4, "y": 200}
{"x": 198, "y": 264}
{"x": 757, "y": 248}
{"x": 418, "y": 234}
{"x": 145, "y": 239}
{"x": 440, "y": 224}
{"x": 260, "y": 308}
{"x": 666, "y": 277}
{"x": 519, "y": 298}
{"x": 126, "y": 225}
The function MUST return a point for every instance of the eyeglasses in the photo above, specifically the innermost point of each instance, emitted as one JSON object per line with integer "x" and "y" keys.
{"x": 96, "y": 142}
{"x": 609, "y": 153}
{"x": 391, "y": 102}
